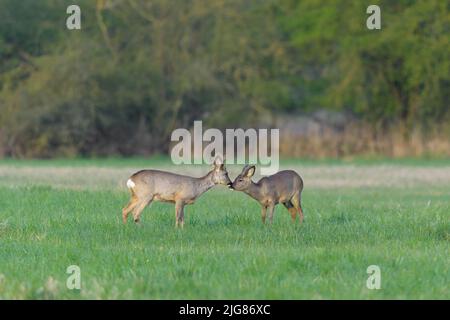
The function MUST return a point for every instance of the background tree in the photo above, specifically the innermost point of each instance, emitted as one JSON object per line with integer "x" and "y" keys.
{"x": 139, "y": 69}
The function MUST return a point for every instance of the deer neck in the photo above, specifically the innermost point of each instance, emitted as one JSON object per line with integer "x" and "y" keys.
{"x": 254, "y": 191}
{"x": 205, "y": 183}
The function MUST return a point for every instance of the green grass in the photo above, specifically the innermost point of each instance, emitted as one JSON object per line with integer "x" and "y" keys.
{"x": 224, "y": 250}
{"x": 160, "y": 160}
{"x": 163, "y": 160}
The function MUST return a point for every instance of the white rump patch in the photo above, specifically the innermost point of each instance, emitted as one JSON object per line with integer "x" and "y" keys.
{"x": 130, "y": 184}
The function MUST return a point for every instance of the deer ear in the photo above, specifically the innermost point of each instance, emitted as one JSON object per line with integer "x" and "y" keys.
{"x": 250, "y": 171}
{"x": 244, "y": 170}
{"x": 218, "y": 161}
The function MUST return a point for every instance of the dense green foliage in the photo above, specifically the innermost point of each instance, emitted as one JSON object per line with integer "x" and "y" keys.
{"x": 139, "y": 69}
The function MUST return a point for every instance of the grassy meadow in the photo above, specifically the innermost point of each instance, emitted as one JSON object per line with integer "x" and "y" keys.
{"x": 394, "y": 214}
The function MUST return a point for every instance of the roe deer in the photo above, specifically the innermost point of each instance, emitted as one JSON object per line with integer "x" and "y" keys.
{"x": 285, "y": 187}
{"x": 154, "y": 185}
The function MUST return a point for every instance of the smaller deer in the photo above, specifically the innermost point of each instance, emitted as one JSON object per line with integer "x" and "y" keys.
{"x": 154, "y": 185}
{"x": 283, "y": 187}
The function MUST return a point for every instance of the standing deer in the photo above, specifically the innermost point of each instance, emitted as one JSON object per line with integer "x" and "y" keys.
{"x": 154, "y": 185}
{"x": 285, "y": 187}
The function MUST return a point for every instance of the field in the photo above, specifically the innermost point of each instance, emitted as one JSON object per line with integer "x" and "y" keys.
{"x": 393, "y": 214}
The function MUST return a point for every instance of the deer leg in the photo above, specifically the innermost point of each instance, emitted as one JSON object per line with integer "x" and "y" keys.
{"x": 130, "y": 206}
{"x": 297, "y": 202}
{"x": 293, "y": 212}
{"x": 140, "y": 206}
{"x": 300, "y": 213}
{"x": 263, "y": 213}
{"x": 291, "y": 209}
{"x": 182, "y": 217}
{"x": 179, "y": 212}
{"x": 271, "y": 207}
